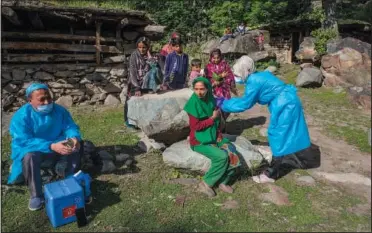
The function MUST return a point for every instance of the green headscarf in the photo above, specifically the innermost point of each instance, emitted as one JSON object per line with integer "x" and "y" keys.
{"x": 202, "y": 109}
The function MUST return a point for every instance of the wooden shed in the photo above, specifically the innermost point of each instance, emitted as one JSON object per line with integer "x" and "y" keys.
{"x": 34, "y": 32}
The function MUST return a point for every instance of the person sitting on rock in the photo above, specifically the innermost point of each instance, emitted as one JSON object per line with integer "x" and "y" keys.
{"x": 206, "y": 138}
{"x": 39, "y": 132}
{"x": 240, "y": 29}
{"x": 220, "y": 75}
{"x": 176, "y": 67}
{"x": 144, "y": 72}
{"x": 288, "y": 134}
{"x": 227, "y": 34}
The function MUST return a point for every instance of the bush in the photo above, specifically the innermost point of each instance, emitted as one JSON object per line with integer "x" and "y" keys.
{"x": 322, "y": 36}
{"x": 261, "y": 65}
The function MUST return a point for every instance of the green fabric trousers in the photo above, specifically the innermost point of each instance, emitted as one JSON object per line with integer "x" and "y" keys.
{"x": 219, "y": 171}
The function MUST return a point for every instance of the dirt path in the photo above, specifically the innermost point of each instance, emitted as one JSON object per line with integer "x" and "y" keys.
{"x": 341, "y": 164}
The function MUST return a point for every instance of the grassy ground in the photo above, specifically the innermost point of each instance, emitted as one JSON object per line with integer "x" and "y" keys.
{"x": 145, "y": 201}
{"x": 107, "y": 4}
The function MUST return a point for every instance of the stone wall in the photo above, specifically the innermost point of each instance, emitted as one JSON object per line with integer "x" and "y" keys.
{"x": 80, "y": 84}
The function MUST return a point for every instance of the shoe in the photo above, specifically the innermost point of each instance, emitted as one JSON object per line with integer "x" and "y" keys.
{"x": 262, "y": 178}
{"x": 204, "y": 188}
{"x": 35, "y": 203}
{"x": 226, "y": 188}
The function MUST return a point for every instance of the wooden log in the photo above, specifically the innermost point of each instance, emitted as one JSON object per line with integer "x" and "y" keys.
{"x": 28, "y": 58}
{"x": 58, "y": 46}
{"x": 11, "y": 15}
{"x": 35, "y": 20}
{"x": 32, "y": 35}
{"x": 98, "y": 36}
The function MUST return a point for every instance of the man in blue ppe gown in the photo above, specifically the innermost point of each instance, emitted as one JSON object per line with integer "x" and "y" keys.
{"x": 39, "y": 132}
{"x": 287, "y": 133}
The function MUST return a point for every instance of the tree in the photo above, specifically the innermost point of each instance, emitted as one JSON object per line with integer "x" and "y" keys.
{"x": 330, "y": 21}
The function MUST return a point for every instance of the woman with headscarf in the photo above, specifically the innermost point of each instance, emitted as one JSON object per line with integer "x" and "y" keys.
{"x": 206, "y": 138}
{"x": 144, "y": 73}
{"x": 288, "y": 134}
{"x": 220, "y": 75}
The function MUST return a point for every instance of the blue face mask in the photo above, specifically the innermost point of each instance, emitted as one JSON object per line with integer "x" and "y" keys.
{"x": 45, "y": 109}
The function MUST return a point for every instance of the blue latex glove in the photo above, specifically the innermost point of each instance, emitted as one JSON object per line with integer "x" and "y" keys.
{"x": 219, "y": 101}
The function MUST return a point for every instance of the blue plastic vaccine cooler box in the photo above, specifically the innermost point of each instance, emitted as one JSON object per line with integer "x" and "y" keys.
{"x": 62, "y": 198}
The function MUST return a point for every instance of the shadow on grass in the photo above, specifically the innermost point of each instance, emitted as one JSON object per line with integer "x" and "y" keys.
{"x": 237, "y": 126}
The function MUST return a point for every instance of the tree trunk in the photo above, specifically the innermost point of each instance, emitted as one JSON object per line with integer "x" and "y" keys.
{"x": 330, "y": 21}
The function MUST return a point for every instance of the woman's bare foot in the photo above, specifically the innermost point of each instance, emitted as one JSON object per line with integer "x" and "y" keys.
{"x": 204, "y": 188}
{"x": 226, "y": 188}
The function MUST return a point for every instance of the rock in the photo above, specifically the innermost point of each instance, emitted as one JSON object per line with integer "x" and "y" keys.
{"x": 98, "y": 97}
{"x": 360, "y": 96}
{"x": 65, "y": 101}
{"x": 277, "y": 195}
{"x": 103, "y": 69}
{"x": 146, "y": 144}
{"x": 111, "y": 100}
{"x": 118, "y": 72}
{"x": 49, "y": 68}
{"x": 353, "y": 178}
{"x": 305, "y": 180}
{"x": 346, "y": 68}
{"x": 161, "y": 116}
{"x": 7, "y": 100}
{"x": 265, "y": 151}
{"x": 60, "y": 85}
{"x": 75, "y": 92}
{"x": 6, "y": 75}
{"x": 89, "y": 147}
{"x": 259, "y": 55}
{"x": 307, "y": 50}
{"x": 112, "y": 88}
{"x": 108, "y": 166}
{"x": 64, "y": 74}
{"x": 306, "y": 65}
{"x": 89, "y": 69}
{"x": 115, "y": 59}
{"x": 336, "y": 45}
{"x": 242, "y": 66}
{"x": 97, "y": 77}
{"x": 180, "y": 155}
{"x": 243, "y": 45}
{"x": 122, "y": 157}
{"x": 263, "y": 132}
{"x": 309, "y": 77}
{"x": 76, "y": 67}
{"x": 44, "y": 76}
{"x": 272, "y": 69}
{"x": 18, "y": 74}
{"x": 123, "y": 94}
{"x": 85, "y": 81}
{"x": 105, "y": 155}
{"x": 11, "y": 88}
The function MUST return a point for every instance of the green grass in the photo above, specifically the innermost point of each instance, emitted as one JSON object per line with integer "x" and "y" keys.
{"x": 107, "y": 4}
{"x": 145, "y": 201}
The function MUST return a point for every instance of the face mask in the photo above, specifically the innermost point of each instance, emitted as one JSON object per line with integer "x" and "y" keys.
{"x": 45, "y": 109}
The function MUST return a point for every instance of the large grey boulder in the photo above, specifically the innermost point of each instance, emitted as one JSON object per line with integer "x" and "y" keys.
{"x": 242, "y": 44}
{"x": 161, "y": 116}
{"x": 180, "y": 155}
{"x": 336, "y": 45}
{"x": 309, "y": 77}
{"x": 307, "y": 50}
